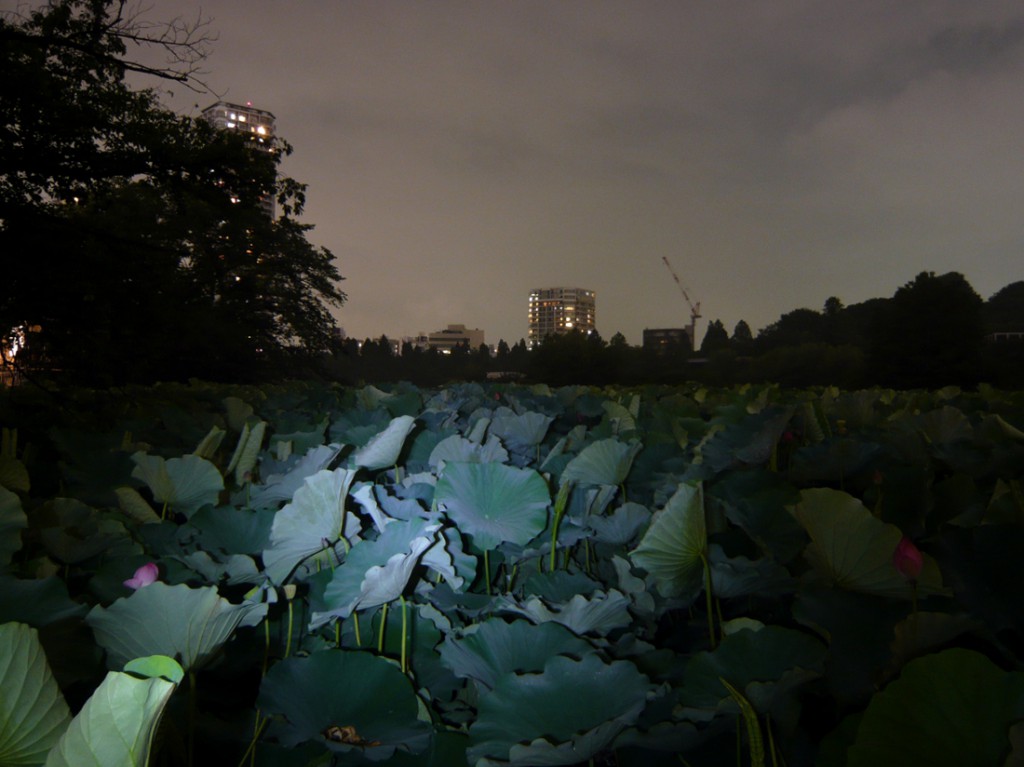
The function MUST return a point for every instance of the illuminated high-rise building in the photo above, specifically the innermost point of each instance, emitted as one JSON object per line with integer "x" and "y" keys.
{"x": 559, "y": 310}
{"x": 257, "y": 124}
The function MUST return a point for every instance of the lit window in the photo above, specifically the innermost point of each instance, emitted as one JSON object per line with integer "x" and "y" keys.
{"x": 241, "y": 118}
{"x": 231, "y": 125}
{"x": 233, "y": 116}
{"x": 261, "y": 130}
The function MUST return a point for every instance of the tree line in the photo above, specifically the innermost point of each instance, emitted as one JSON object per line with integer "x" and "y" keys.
{"x": 934, "y": 331}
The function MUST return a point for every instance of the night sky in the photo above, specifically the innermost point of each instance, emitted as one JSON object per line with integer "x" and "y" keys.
{"x": 459, "y": 154}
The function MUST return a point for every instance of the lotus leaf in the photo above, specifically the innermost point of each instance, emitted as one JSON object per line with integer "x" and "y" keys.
{"x": 450, "y": 560}
{"x": 37, "y": 602}
{"x": 13, "y": 474}
{"x": 247, "y": 452}
{"x": 488, "y": 651}
{"x": 12, "y": 521}
{"x": 377, "y": 572}
{"x": 564, "y": 715}
{"x": 209, "y": 445}
{"x": 520, "y": 432}
{"x": 621, "y": 526}
{"x": 311, "y": 524}
{"x": 493, "y": 503}
{"x": 233, "y": 530}
{"x": 599, "y": 614}
{"x": 382, "y": 451}
{"x": 852, "y": 549}
{"x": 461, "y": 450}
{"x": 184, "y": 484}
{"x": 73, "y": 532}
{"x": 300, "y": 441}
{"x": 675, "y": 547}
{"x": 336, "y": 689}
{"x": 605, "y": 462}
{"x": 117, "y": 725}
{"x": 237, "y": 412}
{"x": 177, "y": 621}
{"x": 33, "y": 714}
{"x": 747, "y": 656}
{"x": 955, "y": 707}
{"x": 135, "y": 507}
{"x": 282, "y": 487}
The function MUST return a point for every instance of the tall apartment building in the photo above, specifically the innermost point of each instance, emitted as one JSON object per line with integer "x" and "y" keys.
{"x": 258, "y": 124}
{"x": 559, "y": 310}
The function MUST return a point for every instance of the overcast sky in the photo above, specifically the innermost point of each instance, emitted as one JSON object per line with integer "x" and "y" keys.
{"x": 459, "y": 154}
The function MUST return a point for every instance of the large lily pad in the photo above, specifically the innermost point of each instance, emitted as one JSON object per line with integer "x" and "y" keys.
{"x": 488, "y": 651}
{"x": 177, "y": 621}
{"x": 458, "y": 449}
{"x": 955, "y": 707}
{"x": 605, "y": 462}
{"x": 33, "y": 714}
{"x": 675, "y": 546}
{"x": 564, "y": 715}
{"x": 382, "y": 451}
{"x": 282, "y": 487}
{"x": 12, "y": 521}
{"x": 37, "y": 602}
{"x": 311, "y": 524}
{"x": 599, "y": 614}
{"x": 73, "y": 532}
{"x": 184, "y": 484}
{"x": 361, "y": 695}
{"x": 522, "y": 431}
{"x": 117, "y": 725}
{"x": 853, "y": 550}
{"x": 748, "y": 656}
{"x": 377, "y": 572}
{"x": 494, "y": 503}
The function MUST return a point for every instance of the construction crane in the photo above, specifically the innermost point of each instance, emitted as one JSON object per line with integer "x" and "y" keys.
{"x": 694, "y": 307}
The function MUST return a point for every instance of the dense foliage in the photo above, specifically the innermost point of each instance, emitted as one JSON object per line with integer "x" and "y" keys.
{"x": 136, "y": 245}
{"x": 310, "y": 574}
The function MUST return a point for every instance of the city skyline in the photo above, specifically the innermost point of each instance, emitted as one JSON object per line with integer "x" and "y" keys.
{"x": 458, "y": 155}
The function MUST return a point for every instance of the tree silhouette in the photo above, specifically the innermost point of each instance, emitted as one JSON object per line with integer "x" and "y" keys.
{"x": 929, "y": 335}
{"x": 133, "y": 238}
{"x": 716, "y": 338}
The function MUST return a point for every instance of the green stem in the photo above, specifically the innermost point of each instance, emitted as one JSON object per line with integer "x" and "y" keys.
{"x": 191, "y": 715}
{"x": 355, "y": 625}
{"x": 251, "y": 750}
{"x": 266, "y": 645}
{"x": 405, "y": 628}
{"x": 383, "y": 623}
{"x": 288, "y": 640}
{"x": 487, "y": 571}
{"x": 561, "y": 501}
{"x": 710, "y": 604}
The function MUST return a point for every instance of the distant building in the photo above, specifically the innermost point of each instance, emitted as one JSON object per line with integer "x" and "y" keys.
{"x": 452, "y": 336}
{"x": 257, "y": 124}
{"x": 554, "y": 311}
{"x": 667, "y": 340}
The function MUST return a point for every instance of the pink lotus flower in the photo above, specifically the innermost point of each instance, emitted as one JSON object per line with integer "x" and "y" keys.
{"x": 907, "y": 559}
{"x": 144, "y": 576}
